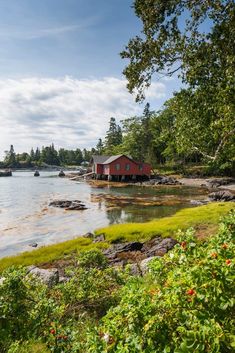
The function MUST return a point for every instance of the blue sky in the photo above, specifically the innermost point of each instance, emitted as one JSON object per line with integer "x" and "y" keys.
{"x": 61, "y": 73}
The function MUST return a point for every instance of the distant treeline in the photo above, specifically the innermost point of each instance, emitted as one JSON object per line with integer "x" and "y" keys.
{"x": 46, "y": 155}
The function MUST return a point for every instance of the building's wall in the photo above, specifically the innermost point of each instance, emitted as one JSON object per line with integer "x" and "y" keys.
{"x": 99, "y": 169}
{"x": 134, "y": 168}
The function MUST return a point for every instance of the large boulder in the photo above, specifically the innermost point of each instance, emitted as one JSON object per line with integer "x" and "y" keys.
{"x": 144, "y": 264}
{"x": 113, "y": 253}
{"x": 221, "y": 195}
{"x": 216, "y": 182}
{"x": 50, "y": 277}
{"x": 158, "y": 246}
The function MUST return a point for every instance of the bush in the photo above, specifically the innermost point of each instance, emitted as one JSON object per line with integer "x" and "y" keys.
{"x": 185, "y": 304}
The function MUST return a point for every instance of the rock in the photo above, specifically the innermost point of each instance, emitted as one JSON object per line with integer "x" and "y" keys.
{"x": 74, "y": 205}
{"x": 199, "y": 202}
{"x": 216, "y": 182}
{"x": 99, "y": 239}
{"x": 159, "y": 247}
{"x": 63, "y": 279}
{"x": 50, "y": 277}
{"x": 113, "y": 252}
{"x": 222, "y": 196}
{"x": 141, "y": 268}
{"x": 33, "y": 245}
{"x": 144, "y": 264}
{"x": 61, "y": 174}
{"x": 164, "y": 180}
{"x": 89, "y": 235}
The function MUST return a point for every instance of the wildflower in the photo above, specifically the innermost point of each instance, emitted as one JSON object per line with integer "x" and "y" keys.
{"x": 224, "y": 246}
{"x": 191, "y": 292}
{"x": 214, "y": 255}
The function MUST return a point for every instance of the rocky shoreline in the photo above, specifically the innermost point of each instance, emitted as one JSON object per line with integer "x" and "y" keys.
{"x": 136, "y": 255}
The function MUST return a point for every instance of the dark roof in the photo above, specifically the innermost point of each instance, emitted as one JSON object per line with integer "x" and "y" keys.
{"x": 109, "y": 159}
{"x": 99, "y": 159}
{"x": 112, "y": 159}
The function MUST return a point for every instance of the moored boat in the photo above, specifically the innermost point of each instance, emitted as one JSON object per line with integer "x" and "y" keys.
{"x": 61, "y": 173}
{"x": 5, "y": 173}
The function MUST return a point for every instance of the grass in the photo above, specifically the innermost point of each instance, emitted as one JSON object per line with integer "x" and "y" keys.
{"x": 31, "y": 347}
{"x": 50, "y": 253}
{"x": 206, "y": 215}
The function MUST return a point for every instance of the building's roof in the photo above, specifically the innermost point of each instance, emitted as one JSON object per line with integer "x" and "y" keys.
{"x": 99, "y": 159}
{"x": 109, "y": 159}
{"x": 112, "y": 159}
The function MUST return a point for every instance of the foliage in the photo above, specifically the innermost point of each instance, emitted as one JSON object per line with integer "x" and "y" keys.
{"x": 185, "y": 304}
{"x": 32, "y": 314}
{"x": 113, "y": 137}
{"x": 195, "y": 39}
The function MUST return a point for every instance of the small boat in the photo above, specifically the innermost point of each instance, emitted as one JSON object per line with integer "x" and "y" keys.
{"x": 36, "y": 173}
{"x": 5, "y": 173}
{"x": 61, "y": 173}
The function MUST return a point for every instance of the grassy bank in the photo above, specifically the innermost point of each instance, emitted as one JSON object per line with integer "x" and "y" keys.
{"x": 203, "y": 216}
{"x": 50, "y": 253}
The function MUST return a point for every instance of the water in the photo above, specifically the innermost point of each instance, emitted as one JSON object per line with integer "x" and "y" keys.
{"x": 26, "y": 218}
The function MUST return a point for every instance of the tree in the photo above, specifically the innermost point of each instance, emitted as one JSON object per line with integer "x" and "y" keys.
{"x": 204, "y": 59}
{"x": 170, "y": 44}
{"x": 37, "y": 154}
{"x": 32, "y": 154}
{"x": 113, "y": 136}
{"x": 100, "y": 147}
{"x": 10, "y": 158}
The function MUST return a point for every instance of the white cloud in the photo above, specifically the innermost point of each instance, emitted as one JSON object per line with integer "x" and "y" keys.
{"x": 67, "y": 111}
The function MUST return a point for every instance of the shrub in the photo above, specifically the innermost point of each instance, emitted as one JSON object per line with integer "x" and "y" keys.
{"x": 185, "y": 304}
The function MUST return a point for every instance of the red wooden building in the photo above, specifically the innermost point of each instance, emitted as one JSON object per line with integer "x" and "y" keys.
{"x": 119, "y": 167}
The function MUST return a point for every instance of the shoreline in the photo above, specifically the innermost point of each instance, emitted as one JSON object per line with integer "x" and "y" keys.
{"x": 204, "y": 218}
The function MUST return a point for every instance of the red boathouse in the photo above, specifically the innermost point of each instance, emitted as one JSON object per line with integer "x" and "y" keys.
{"x": 119, "y": 167}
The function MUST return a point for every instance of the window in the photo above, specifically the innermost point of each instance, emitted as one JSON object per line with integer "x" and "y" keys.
{"x": 128, "y": 167}
{"x": 141, "y": 167}
{"x": 117, "y": 166}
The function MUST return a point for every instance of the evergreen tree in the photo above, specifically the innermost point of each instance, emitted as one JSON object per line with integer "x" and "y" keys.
{"x": 100, "y": 147}
{"x": 113, "y": 136}
{"x": 10, "y": 158}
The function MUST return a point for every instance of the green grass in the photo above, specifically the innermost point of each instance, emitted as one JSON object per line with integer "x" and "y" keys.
{"x": 30, "y": 347}
{"x": 50, "y": 253}
{"x": 203, "y": 215}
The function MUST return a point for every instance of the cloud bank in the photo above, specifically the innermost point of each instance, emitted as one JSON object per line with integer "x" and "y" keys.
{"x": 69, "y": 112}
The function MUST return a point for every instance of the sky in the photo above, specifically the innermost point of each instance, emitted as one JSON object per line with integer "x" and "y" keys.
{"x": 61, "y": 73}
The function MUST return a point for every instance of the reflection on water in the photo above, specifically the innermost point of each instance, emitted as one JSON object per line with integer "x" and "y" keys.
{"x": 26, "y": 218}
